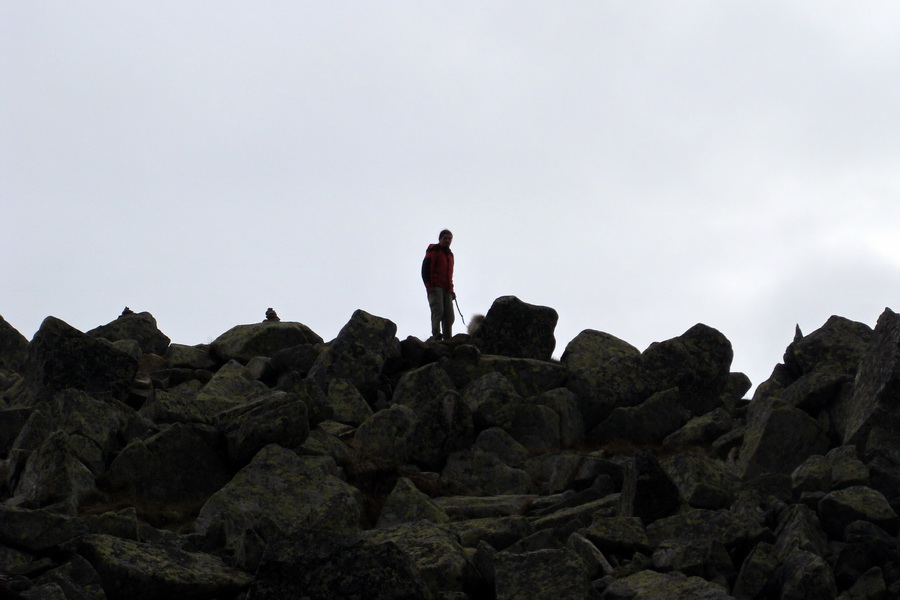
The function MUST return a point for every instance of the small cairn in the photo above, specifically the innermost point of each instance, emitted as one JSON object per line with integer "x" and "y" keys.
{"x": 271, "y": 316}
{"x": 126, "y": 312}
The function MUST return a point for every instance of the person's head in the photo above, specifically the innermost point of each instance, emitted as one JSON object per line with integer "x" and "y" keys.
{"x": 445, "y": 238}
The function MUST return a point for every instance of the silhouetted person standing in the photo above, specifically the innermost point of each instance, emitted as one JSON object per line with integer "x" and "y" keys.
{"x": 437, "y": 273}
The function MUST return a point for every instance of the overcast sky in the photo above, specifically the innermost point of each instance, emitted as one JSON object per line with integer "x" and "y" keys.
{"x": 638, "y": 166}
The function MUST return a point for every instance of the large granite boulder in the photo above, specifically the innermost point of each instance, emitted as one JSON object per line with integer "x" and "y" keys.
{"x": 280, "y": 492}
{"x": 178, "y": 465}
{"x": 564, "y": 403}
{"x": 837, "y": 346}
{"x": 702, "y": 482}
{"x": 621, "y": 536}
{"x": 541, "y": 575}
{"x": 387, "y": 434}
{"x": 485, "y": 474}
{"x": 418, "y": 387}
{"x": 143, "y": 571}
{"x": 650, "y": 422}
{"x": 697, "y": 362}
{"x": 857, "y": 503}
{"x": 181, "y": 356}
{"x": 437, "y": 554}
{"x": 37, "y": 531}
{"x": 702, "y": 430}
{"x": 806, "y": 575}
{"x": 232, "y": 386}
{"x": 648, "y": 492}
{"x": 600, "y": 389}
{"x": 495, "y": 402}
{"x": 59, "y": 356}
{"x": 140, "y": 327}
{"x": 12, "y": 347}
{"x": 274, "y": 418}
{"x": 54, "y": 477}
{"x": 75, "y": 578}
{"x": 358, "y": 354}
{"x": 778, "y": 439}
{"x": 243, "y": 342}
{"x": 591, "y": 349}
{"x": 799, "y": 527}
{"x": 12, "y": 420}
{"x": 407, "y": 504}
{"x": 877, "y": 388}
{"x": 732, "y": 529}
{"x": 323, "y": 565}
{"x": 95, "y": 428}
{"x": 347, "y": 404}
{"x": 650, "y": 585}
{"x": 756, "y": 577}
{"x": 442, "y": 426}
{"x": 516, "y": 329}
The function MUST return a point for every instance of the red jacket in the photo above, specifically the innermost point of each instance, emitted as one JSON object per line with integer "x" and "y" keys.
{"x": 437, "y": 268}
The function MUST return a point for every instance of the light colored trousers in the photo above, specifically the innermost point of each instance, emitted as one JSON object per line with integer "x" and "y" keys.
{"x": 441, "y": 303}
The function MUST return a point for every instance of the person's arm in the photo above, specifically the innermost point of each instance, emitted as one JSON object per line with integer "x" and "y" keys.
{"x": 426, "y": 269}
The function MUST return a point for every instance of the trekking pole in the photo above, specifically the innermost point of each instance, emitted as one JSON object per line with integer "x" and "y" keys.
{"x": 455, "y": 301}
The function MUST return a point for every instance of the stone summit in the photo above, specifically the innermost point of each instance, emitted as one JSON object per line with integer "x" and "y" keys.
{"x": 271, "y": 464}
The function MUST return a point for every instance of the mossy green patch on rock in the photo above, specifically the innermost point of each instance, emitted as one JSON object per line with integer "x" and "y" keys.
{"x": 243, "y": 342}
{"x": 279, "y": 492}
{"x": 139, "y": 571}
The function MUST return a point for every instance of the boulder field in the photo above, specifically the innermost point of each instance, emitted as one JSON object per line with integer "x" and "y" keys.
{"x": 272, "y": 464}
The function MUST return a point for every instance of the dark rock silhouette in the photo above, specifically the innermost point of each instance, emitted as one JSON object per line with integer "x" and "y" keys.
{"x": 140, "y": 327}
{"x": 271, "y": 464}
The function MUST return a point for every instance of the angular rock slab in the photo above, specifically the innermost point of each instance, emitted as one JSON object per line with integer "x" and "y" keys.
{"x": 176, "y": 465}
{"x": 232, "y": 385}
{"x": 321, "y": 565}
{"x": 275, "y": 418}
{"x": 437, "y": 554}
{"x": 856, "y": 503}
{"x": 188, "y": 357}
{"x": 277, "y": 493}
{"x": 541, "y": 575}
{"x": 141, "y": 571}
{"x": 877, "y": 388}
{"x": 648, "y": 492}
{"x": 649, "y": 422}
{"x": 697, "y": 362}
{"x": 701, "y": 524}
{"x": 243, "y": 342}
{"x": 592, "y": 348}
{"x": 406, "y": 504}
{"x": 387, "y": 434}
{"x": 62, "y": 357}
{"x": 96, "y": 427}
{"x": 485, "y": 474}
{"x": 37, "y": 530}
{"x": 358, "y": 354}
{"x": 806, "y": 575}
{"x": 779, "y": 438}
{"x": 650, "y": 585}
{"x": 140, "y": 327}
{"x": 53, "y": 475}
{"x": 702, "y": 481}
{"x": 12, "y": 347}
{"x": 837, "y": 346}
{"x": 518, "y": 330}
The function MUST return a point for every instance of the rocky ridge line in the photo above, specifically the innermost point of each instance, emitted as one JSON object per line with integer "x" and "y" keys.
{"x": 271, "y": 464}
